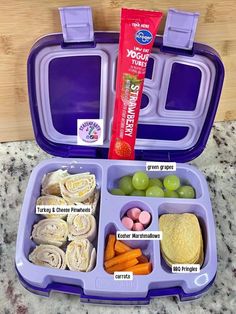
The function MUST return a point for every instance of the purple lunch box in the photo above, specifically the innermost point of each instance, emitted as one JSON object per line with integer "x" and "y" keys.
{"x": 72, "y": 76}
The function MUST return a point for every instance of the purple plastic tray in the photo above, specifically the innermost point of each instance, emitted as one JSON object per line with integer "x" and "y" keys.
{"x": 72, "y": 81}
{"x": 98, "y": 284}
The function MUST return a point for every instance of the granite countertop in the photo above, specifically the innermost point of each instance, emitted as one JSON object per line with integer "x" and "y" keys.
{"x": 218, "y": 163}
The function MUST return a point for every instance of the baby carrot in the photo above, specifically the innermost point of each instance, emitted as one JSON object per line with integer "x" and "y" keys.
{"x": 110, "y": 248}
{"x": 143, "y": 259}
{"x": 121, "y": 266}
{"x": 120, "y": 247}
{"x": 140, "y": 269}
{"x": 123, "y": 257}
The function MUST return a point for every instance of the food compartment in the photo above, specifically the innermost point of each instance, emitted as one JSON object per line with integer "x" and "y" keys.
{"x": 146, "y": 107}
{"x": 147, "y": 131}
{"x": 82, "y": 105}
{"x": 202, "y": 213}
{"x": 166, "y": 134}
{"x": 26, "y": 244}
{"x": 154, "y": 70}
{"x": 186, "y": 88}
{"x": 150, "y": 68}
{"x": 144, "y": 101}
{"x": 180, "y": 84}
{"x": 57, "y": 80}
{"x": 136, "y": 215}
{"x": 124, "y": 252}
{"x": 113, "y": 208}
{"x": 188, "y": 175}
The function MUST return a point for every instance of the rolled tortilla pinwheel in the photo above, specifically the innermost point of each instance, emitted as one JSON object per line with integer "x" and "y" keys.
{"x": 92, "y": 201}
{"x": 81, "y": 226}
{"x": 77, "y": 188}
{"x": 52, "y": 200}
{"x": 48, "y": 256}
{"x": 50, "y": 231}
{"x": 80, "y": 255}
{"x": 50, "y": 182}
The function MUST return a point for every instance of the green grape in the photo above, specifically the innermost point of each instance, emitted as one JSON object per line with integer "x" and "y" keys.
{"x": 186, "y": 191}
{"x": 140, "y": 180}
{"x": 171, "y": 182}
{"x": 125, "y": 184}
{"x": 117, "y": 192}
{"x": 154, "y": 191}
{"x": 155, "y": 182}
{"x": 169, "y": 193}
{"x": 138, "y": 193}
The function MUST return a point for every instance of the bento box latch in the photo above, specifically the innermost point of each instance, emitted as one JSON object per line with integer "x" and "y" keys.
{"x": 77, "y": 24}
{"x": 180, "y": 29}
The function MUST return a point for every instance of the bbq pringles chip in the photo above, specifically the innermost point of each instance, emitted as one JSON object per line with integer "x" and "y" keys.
{"x": 182, "y": 239}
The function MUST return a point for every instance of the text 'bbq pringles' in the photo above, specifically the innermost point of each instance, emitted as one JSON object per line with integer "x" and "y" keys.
{"x": 137, "y": 34}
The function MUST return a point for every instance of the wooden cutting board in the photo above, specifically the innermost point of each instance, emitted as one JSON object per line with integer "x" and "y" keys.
{"x": 22, "y": 22}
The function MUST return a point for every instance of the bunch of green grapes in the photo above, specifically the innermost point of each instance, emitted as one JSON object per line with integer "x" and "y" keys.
{"x": 139, "y": 184}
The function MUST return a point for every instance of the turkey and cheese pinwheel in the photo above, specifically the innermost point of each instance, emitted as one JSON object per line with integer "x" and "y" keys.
{"x": 52, "y": 200}
{"x": 50, "y": 231}
{"x": 48, "y": 256}
{"x": 78, "y": 187}
{"x": 80, "y": 255}
{"x": 50, "y": 182}
{"x": 92, "y": 201}
{"x": 81, "y": 226}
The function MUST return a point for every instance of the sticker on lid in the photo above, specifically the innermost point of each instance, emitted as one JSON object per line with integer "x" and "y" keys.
{"x": 90, "y": 132}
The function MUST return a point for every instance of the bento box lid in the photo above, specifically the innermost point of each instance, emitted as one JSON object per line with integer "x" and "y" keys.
{"x": 71, "y": 76}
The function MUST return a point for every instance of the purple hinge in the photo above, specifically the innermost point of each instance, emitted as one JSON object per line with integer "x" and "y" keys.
{"x": 77, "y": 24}
{"x": 180, "y": 29}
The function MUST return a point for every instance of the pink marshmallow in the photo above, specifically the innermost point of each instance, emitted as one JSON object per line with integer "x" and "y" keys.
{"x": 127, "y": 222}
{"x": 138, "y": 226}
{"x": 134, "y": 213}
{"x": 144, "y": 217}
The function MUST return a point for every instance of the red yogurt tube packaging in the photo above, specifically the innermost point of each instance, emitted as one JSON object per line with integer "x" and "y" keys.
{"x": 138, "y": 31}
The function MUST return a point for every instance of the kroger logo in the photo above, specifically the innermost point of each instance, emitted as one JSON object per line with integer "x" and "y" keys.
{"x": 143, "y": 37}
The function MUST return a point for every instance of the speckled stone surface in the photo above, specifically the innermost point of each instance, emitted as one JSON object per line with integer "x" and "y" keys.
{"x": 218, "y": 163}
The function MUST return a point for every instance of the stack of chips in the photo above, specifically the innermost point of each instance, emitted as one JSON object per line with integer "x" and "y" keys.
{"x": 182, "y": 239}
